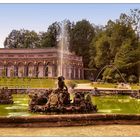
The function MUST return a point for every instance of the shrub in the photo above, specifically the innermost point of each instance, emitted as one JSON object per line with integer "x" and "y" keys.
{"x": 132, "y": 79}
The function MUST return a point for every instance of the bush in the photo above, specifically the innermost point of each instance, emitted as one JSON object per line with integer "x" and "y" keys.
{"x": 132, "y": 79}
{"x": 117, "y": 77}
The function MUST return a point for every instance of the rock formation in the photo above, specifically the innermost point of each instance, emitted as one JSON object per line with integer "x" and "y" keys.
{"x": 59, "y": 101}
{"x": 6, "y": 96}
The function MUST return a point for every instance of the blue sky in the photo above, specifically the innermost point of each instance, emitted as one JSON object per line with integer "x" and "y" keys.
{"x": 39, "y": 16}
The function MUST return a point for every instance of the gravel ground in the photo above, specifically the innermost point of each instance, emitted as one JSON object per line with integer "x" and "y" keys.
{"x": 98, "y": 130}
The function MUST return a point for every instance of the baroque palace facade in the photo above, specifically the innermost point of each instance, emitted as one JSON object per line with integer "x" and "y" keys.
{"x": 39, "y": 63}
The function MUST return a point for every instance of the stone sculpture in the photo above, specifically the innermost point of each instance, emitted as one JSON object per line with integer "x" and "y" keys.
{"x": 6, "y": 96}
{"x": 58, "y": 100}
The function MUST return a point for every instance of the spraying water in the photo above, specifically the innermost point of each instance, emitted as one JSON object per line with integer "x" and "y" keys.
{"x": 63, "y": 47}
{"x": 112, "y": 67}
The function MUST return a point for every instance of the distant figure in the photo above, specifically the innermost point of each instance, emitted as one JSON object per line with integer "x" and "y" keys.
{"x": 61, "y": 83}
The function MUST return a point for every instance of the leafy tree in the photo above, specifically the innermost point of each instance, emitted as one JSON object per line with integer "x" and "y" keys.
{"x": 133, "y": 19}
{"x": 22, "y": 39}
{"x": 125, "y": 55}
{"x": 116, "y": 44}
{"x": 102, "y": 57}
{"x": 81, "y": 35}
{"x": 50, "y": 38}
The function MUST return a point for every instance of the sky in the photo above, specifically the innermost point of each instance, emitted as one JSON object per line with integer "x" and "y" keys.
{"x": 38, "y": 17}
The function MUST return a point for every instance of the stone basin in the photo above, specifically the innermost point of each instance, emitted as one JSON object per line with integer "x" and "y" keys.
{"x": 69, "y": 120}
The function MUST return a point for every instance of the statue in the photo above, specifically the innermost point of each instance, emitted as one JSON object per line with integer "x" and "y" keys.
{"x": 58, "y": 100}
{"x": 61, "y": 83}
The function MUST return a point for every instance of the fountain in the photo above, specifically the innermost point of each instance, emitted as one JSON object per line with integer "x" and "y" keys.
{"x": 58, "y": 100}
{"x": 57, "y": 107}
{"x": 108, "y": 66}
{"x": 6, "y": 96}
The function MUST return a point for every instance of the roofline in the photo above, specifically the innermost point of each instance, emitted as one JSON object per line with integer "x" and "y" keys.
{"x": 27, "y": 48}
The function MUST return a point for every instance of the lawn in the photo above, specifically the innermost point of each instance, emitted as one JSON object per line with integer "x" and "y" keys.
{"x": 112, "y": 85}
{"x": 26, "y": 83}
{"x": 49, "y": 83}
{"x": 33, "y": 83}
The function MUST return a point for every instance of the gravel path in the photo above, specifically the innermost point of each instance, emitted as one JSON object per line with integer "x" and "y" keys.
{"x": 98, "y": 130}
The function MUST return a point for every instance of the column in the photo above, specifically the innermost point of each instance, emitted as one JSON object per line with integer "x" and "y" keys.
{"x": 49, "y": 70}
{"x": 15, "y": 70}
{"x": 74, "y": 73}
{"x": 70, "y": 71}
{"x": 79, "y": 73}
{"x": 55, "y": 70}
{"x": 53, "y": 73}
{"x": 5, "y": 70}
{"x": 35, "y": 74}
{"x": 25, "y": 70}
{"x": 45, "y": 70}
{"x": 82, "y": 73}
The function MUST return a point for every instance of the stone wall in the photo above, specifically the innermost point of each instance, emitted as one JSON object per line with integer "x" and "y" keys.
{"x": 69, "y": 120}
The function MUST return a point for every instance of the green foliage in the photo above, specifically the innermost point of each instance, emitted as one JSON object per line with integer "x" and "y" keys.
{"x": 102, "y": 57}
{"x": 49, "y": 38}
{"x": 107, "y": 75}
{"x": 132, "y": 79}
{"x": 81, "y": 35}
{"x": 125, "y": 55}
{"x": 22, "y": 39}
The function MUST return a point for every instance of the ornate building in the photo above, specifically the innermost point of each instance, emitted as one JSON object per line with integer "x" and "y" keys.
{"x": 39, "y": 63}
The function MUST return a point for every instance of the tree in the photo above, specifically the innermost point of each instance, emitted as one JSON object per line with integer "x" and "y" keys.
{"x": 133, "y": 19}
{"x": 116, "y": 44}
{"x": 50, "y": 38}
{"x": 125, "y": 55}
{"x": 127, "y": 59}
{"x": 81, "y": 35}
{"x": 102, "y": 57}
{"x": 22, "y": 39}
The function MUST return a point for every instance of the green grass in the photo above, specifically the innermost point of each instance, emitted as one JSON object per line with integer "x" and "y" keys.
{"x": 33, "y": 83}
{"x": 24, "y": 83}
{"x": 112, "y": 85}
{"x": 81, "y": 81}
{"x": 117, "y": 104}
{"x": 49, "y": 83}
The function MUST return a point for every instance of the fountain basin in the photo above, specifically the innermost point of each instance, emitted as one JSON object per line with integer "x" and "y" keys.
{"x": 69, "y": 120}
